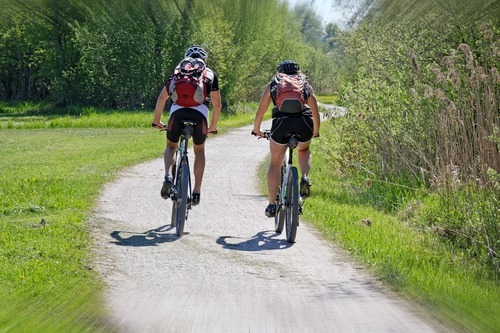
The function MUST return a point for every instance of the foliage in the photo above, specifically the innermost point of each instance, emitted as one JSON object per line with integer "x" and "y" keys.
{"x": 118, "y": 53}
{"x": 421, "y": 88}
{"x": 351, "y": 211}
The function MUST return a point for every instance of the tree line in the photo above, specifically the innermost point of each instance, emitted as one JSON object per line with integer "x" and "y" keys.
{"x": 117, "y": 53}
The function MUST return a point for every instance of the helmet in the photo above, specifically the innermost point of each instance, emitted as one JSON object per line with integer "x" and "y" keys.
{"x": 196, "y": 51}
{"x": 288, "y": 67}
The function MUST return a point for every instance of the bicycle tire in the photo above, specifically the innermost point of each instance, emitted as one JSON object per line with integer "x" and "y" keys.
{"x": 292, "y": 205}
{"x": 173, "y": 221}
{"x": 279, "y": 219}
{"x": 183, "y": 198}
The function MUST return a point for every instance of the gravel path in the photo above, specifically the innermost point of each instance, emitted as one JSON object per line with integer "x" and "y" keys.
{"x": 231, "y": 272}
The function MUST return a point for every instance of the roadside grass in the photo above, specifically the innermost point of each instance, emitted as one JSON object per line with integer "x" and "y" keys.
{"x": 51, "y": 172}
{"x": 53, "y": 167}
{"x": 42, "y": 116}
{"x": 411, "y": 262}
{"x": 46, "y": 275}
{"x": 417, "y": 265}
{"x": 328, "y": 99}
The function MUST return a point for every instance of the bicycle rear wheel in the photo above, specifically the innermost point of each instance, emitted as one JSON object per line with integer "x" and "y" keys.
{"x": 279, "y": 219}
{"x": 173, "y": 221}
{"x": 183, "y": 198}
{"x": 292, "y": 205}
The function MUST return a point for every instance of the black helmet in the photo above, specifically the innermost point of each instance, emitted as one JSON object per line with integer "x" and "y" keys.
{"x": 196, "y": 51}
{"x": 288, "y": 67}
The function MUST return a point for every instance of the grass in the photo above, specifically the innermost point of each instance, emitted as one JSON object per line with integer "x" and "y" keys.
{"x": 328, "y": 99}
{"x": 53, "y": 165}
{"x": 411, "y": 262}
{"x": 55, "y": 175}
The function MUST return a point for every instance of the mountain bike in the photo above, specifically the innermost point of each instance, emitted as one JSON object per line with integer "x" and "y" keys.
{"x": 181, "y": 191}
{"x": 288, "y": 201}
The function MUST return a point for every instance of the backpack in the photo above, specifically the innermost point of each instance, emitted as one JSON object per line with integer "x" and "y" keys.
{"x": 288, "y": 93}
{"x": 186, "y": 85}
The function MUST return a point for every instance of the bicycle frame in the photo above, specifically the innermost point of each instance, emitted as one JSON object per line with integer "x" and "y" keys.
{"x": 181, "y": 190}
{"x": 288, "y": 200}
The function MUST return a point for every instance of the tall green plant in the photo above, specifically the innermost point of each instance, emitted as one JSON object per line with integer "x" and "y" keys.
{"x": 423, "y": 102}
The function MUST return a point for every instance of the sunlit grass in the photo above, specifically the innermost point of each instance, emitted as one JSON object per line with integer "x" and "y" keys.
{"x": 409, "y": 260}
{"x": 52, "y": 170}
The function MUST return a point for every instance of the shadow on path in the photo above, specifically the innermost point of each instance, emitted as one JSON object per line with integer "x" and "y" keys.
{"x": 262, "y": 241}
{"x": 151, "y": 237}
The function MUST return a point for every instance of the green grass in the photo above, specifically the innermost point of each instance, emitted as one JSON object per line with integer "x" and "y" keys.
{"x": 412, "y": 262}
{"x": 42, "y": 116}
{"x": 53, "y": 167}
{"x": 328, "y": 99}
{"x": 46, "y": 271}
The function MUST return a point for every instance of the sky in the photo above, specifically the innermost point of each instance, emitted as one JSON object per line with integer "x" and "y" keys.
{"x": 326, "y": 9}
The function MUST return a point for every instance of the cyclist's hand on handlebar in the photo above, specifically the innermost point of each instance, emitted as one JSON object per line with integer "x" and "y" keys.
{"x": 258, "y": 133}
{"x": 212, "y": 130}
{"x": 159, "y": 125}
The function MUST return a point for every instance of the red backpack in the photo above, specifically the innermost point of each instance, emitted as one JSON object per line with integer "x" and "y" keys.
{"x": 186, "y": 85}
{"x": 288, "y": 93}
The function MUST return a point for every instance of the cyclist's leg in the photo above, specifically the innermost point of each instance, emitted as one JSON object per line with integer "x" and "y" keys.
{"x": 199, "y": 166}
{"x": 277, "y": 146}
{"x": 168, "y": 157}
{"x": 174, "y": 131}
{"x": 199, "y": 137}
{"x": 304, "y": 156}
{"x": 274, "y": 172}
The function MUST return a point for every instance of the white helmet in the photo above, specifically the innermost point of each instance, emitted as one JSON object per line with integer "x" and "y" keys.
{"x": 196, "y": 51}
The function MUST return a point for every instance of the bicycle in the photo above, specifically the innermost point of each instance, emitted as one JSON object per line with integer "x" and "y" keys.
{"x": 288, "y": 201}
{"x": 181, "y": 191}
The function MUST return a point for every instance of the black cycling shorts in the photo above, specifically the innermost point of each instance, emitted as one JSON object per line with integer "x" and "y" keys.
{"x": 174, "y": 128}
{"x": 282, "y": 126}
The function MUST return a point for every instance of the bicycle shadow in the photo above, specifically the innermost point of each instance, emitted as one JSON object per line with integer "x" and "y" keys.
{"x": 152, "y": 237}
{"x": 262, "y": 241}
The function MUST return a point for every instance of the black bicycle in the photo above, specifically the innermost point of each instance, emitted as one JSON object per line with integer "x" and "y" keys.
{"x": 181, "y": 191}
{"x": 288, "y": 201}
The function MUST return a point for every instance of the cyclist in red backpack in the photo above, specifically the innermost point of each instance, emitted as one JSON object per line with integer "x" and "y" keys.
{"x": 191, "y": 87}
{"x": 295, "y": 110}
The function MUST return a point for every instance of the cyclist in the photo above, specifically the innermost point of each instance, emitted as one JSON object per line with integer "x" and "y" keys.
{"x": 304, "y": 121}
{"x": 198, "y": 113}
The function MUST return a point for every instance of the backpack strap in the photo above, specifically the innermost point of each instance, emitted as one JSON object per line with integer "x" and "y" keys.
{"x": 273, "y": 88}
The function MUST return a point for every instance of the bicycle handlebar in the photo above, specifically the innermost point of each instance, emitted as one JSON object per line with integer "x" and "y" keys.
{"x": 266, "y": 134}
{"x": 164, "y": 128}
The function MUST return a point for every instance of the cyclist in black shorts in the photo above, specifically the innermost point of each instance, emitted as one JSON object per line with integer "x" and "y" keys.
{"x": 199, "y": 114}
{"x": 305, "y": 121}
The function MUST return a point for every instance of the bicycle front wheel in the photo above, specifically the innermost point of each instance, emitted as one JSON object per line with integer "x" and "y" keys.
{"x": 292, "y": 205}
{"x": 183, "y": 198}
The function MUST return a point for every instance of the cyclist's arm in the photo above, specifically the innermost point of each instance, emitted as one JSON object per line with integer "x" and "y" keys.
{"x": 216, "y": 109}
{"x": 160, "y": 105}
{"x": 313, "y": 104}
{"x": 264, "y": 103}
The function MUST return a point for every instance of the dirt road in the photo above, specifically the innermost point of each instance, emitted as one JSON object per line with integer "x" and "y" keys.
{"x": 230, "y": 272}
